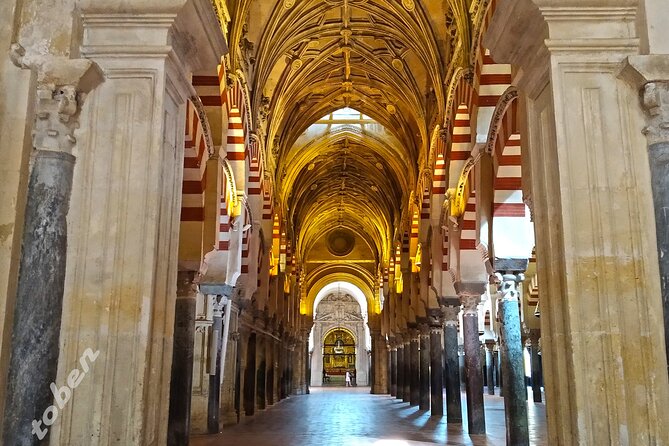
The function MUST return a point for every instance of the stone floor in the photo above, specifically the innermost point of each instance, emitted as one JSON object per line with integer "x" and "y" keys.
{"x": 353, "y": 417}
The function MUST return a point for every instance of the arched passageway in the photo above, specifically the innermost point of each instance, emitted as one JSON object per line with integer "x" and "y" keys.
{"x": 195, "y": 194}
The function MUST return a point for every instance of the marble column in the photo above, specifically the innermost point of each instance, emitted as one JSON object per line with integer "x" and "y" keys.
{"x": 535, "y": 364}
{"x": 379, "y": 363}
{"x": 261, "y": 372}
{"x": 452, "y": 364}
{"x": 473, "y": 371}
{"x": 298, "y": 368}
{"x": 424, "y": 400}
{"x": 181, "y": 384}
{"x": 490, "y": 370}
{"x": 515, "y": 396}
{"x": 407, "y": 369}
{"x": 414, "y": 383}
{"x": 393, "y": 369}
{"x": 400, "y": 368}
{"x": 213, "y": 403}
{"x": 34, "y": 350}
{"x": 436, "y": 365}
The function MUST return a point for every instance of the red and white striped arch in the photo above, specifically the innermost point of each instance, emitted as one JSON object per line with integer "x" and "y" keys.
{"x": 195, "y": 165}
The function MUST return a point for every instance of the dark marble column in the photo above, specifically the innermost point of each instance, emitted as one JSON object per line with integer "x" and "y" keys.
{"x": 415, "y": 368}
{"x": 515, "y": 396}
{"x": 452, "y": 365}
{"x": 473, "y": 371}
{"x": 535, "y": 365}
{"x": 490, "y": 372}
{"x": 400, "y": 369}
{"x": 393, "y": 369}
{"x": 437, "y": 369}
{"x": 500, "y": 375}
{"x": 407, "y": 369}
{"x": 35, "y": 331}
{"x": 424, "y": 400}
{"x": 39, "y": 297}
{"x": 261, "y": 373}
{"x": 181, "y": 383}
{"x": 213, "y": 403}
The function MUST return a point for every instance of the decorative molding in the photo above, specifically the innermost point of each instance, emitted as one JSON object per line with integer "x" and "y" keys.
{"x": 505, "y": 101}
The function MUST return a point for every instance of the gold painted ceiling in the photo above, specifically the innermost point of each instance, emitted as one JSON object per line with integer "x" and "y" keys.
{"x": 347, "y": 92}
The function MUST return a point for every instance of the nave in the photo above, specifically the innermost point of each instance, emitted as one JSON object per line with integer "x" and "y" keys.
{"x": 354, "y": 417}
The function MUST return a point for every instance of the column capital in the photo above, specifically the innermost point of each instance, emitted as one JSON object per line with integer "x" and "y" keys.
{"x": 424, "y": 329}
{"x": 508, "y": 286}
{"x": 490, "y": 344}
{"x": 62, "y": 85}
{"x": 649, "y": 75}
{"x": 450, "y": 314}
{"x": 470, "y": 304}
{"x": 470, "y": 288}
{"x": 435, "y": 317}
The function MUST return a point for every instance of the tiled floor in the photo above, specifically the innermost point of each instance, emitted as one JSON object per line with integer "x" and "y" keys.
{"x": 353, "y": 417}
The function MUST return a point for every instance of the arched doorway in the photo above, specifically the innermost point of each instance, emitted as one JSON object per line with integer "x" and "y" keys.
{"x": 339, "y": 339}
{"x": 338, "y": 356}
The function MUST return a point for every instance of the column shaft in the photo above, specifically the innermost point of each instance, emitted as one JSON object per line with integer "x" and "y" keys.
{"x": 473, "y": 373}
{"x": 407, "y": 372}
{"x": 490, "y": 375}
{"x": 213, "y": 402}
{"x": 415, "y": 373}
{"x": 452, "y": 374}
{"x": 425, "y": 370}
{"x": 181, "y": 384}
{"x": 515, "y": 396}
{"x": 536, "y": 371}
{"x": 436, "y": 372}
{"x": 393, "y": 371}
{"x": 400, "y": 372}
{"x": 39, "y": 298}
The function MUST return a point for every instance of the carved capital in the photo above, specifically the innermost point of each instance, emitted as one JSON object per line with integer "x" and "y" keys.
{"x": 508, "y": 286}
{"x": 424, "y": 330}
{"x": 656, "y": 104}
{"x": 470, "y": 304}
{"x": 450, "y": 313}
{"x": 435, "y": 317}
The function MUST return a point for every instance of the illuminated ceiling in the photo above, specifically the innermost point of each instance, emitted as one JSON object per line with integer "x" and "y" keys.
{"x": 348, "y": 92}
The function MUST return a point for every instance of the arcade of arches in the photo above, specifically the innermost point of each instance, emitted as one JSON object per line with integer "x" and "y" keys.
{"x": 467, "y": 189}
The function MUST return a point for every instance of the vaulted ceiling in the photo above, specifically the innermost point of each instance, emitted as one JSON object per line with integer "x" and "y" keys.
{"x": 313, "y": 65}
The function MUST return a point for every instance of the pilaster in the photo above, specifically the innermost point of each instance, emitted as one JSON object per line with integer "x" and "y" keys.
{"x": 589, "y": 163}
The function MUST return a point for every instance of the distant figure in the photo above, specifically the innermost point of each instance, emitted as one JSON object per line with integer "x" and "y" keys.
{"x": 325, "y": 376}
{"x": 348, "y": 379}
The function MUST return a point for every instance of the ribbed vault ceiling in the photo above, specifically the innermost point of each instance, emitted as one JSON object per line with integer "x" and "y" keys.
{"x": 382, "y": 58}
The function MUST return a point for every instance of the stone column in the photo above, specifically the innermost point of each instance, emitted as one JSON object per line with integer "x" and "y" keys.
{"x": 261, "y": 372}
{"x": 436, "y": 363}
{"x": 34, "y": 350}
{"x": 181, "y": 384}
{"x": 424, "y": 400}
{"x": 473, "y": 371}
{"x": 452, "y": 364}
{"x": 407, "y": 369}
{"x": 414, "y": 383}
{"x": 515, "y": 396}
{"x": 229, "y": 387}
{"x": 601, "y": 298}
{"x": 500, "y": 380}
{"x": 400, "y": 368}
{"x": 535, "y": 363}
{"x": 490, "y": 370}
{"x": 213, "y": 404}
{"x": 379, "y": 363}
{"x": 393, "y": 368}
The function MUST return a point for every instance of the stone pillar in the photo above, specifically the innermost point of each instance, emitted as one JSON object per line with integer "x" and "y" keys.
{"x": 452, "y": 364}
{"x": 379, "y": 363}
{"x": 34, "y": 350}
{"x": 393, "y": 369}
{"x": 181, "y": 384}
{"x": 436, "y": 363}
{"x": 601, "y": 298}
{"x": 414, "y": 383}
{"x": 500, "y": 379}
{"x": 515, "y": 396}
{"x": 400, "y": 369}
{"x": 535, "y": 363}
{"x": 473, "y": 371}
{"x": 490, "y": 369}
{"x": 407, "y": 369}
{"x": 424, "y": 400}
{"x": 215, "y": 378}
{"x": 229, "y": 387}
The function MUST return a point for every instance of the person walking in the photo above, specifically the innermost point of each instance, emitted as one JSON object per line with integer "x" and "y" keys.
{"x": 348, "y": 379}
